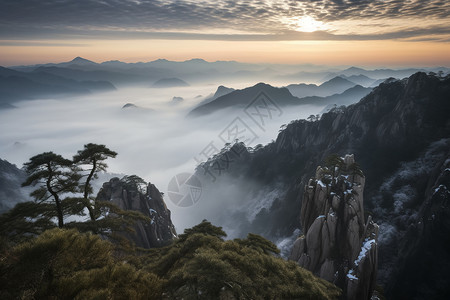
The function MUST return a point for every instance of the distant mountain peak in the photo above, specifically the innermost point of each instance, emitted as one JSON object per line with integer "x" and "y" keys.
{"x": 221, "y": 91}
{"x": 337, "y": 80}
{"x": 170, "y": 82}
{"x": 197, "y": 60}
{"x": 80, "y": 60}
{"x": 115, "y": 61}
{"x": 354, "y": 69}
{"x": 262, "y": 84}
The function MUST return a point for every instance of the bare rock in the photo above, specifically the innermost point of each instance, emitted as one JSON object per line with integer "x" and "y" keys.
{"x": 338, "y": 245}
{"x": 160, "y": 230}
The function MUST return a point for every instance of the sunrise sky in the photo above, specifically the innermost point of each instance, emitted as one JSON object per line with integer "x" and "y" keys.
{"x": 333, "y": 32}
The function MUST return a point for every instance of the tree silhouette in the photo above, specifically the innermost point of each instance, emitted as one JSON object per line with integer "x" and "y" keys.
{"x": 55, "y": 177}
{"x": 134, "y": 182}
{"x": 334, "y": 163}
{"x": 355, "y": 169}
{"x": 92, "y": 155}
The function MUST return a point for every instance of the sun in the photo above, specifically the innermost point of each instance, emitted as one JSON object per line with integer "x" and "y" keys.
{"x": 308, "y": 24}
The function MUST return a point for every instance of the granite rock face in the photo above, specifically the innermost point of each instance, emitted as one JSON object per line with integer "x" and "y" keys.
{"x": 400, "y": 134}
{"x": 160, "y": 230}
{"x": 338, "y": 245}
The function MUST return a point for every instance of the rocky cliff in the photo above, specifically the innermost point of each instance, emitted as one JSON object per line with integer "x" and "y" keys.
{"x": 400, "y": 134}
{"x": 421, "y": 263}
{"x": 150, "y": 202}
{"x": 338, "y": 244}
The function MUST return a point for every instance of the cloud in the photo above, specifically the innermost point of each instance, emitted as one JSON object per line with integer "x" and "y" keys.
{"x": 40, "y": 44}
{"x": 242, "y": 20}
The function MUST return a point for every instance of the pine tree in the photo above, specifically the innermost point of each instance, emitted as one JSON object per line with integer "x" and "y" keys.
{"x": 55, "y": 177}
{"x": 92, "y": 155}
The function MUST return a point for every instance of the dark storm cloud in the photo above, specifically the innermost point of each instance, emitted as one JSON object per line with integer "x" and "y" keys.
{"x": 84, "y": 18}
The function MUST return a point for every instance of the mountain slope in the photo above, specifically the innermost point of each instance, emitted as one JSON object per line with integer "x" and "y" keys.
{"x": 242, "y": 98}
{"x": 398, "y": 133}
{"x": 15, "y": 85}
{"x": 335, "y": 85}
{"x": 350, "y": 96}
{"x": 169, "y": 83}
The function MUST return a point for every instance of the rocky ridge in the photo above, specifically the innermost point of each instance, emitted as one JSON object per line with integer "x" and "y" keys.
{"x": 400, "y": 135}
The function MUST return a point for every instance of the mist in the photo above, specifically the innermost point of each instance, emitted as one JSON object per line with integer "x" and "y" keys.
{"x": 154, "y": 139}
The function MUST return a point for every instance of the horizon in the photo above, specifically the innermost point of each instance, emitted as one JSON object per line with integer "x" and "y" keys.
{"x": 361, "y": 33}
{"x": 191, "y": 59}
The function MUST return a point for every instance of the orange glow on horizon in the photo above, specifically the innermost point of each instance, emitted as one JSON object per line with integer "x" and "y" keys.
{"x": 361, "y": 53}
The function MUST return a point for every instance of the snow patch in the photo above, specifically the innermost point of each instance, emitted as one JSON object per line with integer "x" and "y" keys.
{"x": 439, "y": 187}
{"x": 364, "y": 249}
{"x": 321, "y": 183}
{"x": 348, "y": 192}
{"x": 351, "y": 276}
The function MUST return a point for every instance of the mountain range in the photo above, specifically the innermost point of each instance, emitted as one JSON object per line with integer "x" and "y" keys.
{"x": 339, "y": 92}
{"x": 399, "y": 134}
{"x": 333, "y": 86}
{"x": 82, "y": 76}
{"x": 16, "y": 85}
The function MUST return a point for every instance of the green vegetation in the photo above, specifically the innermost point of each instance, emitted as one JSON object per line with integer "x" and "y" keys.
{"x": 63, "y": 189}
{"x": 66, "y": 264}
{"x": 201, "y": 265}
{"x": 44, "y": 257}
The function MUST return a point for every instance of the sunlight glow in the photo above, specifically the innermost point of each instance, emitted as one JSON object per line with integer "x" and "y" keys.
{"x": 309, "y": 24}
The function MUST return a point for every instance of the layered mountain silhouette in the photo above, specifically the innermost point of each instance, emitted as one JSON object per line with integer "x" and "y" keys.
{"x": 242, "y": 98}
{"x": 198, "y": 70}
{"x": 333, "y": 86}
{"x": 280, "y": 96}
{"x": 349, "y": 96}
{"x": 16, "y": 85}
{"x": 355, "y": 73}
{"x": 221, "y": 91}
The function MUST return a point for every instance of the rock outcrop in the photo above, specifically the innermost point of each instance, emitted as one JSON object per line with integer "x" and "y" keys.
{"x": 127, "y": 196}
{"x": 400, "y": 134}
{"x": 338, "y": 245}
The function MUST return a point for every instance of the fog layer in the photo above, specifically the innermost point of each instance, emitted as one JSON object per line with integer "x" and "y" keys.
{"x": 153, "y": 137}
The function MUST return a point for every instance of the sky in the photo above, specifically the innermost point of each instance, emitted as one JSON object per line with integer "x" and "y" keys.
{"x": 332, "y": 32}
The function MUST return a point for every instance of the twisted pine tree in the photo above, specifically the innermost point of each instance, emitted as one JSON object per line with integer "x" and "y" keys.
{"x": 92, "y": 157}
{"x": 55, "y": 176}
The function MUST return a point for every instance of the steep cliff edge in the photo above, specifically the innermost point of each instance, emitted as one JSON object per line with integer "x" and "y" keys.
{"x": 338, "y": 245}
{"x": 130, "y": 197}
{"x": 400, "y": 134}
{"x": 420, "y": 268}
